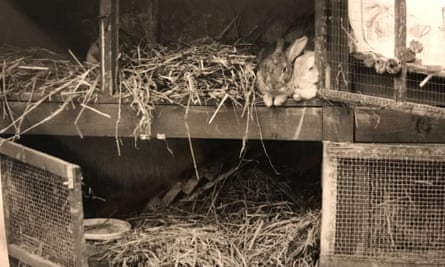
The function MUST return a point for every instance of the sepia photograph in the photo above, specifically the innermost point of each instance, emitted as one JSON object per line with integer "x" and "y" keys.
{"x": 201, "y": 133}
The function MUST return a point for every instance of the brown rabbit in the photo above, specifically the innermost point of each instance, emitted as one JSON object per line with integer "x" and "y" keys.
{"x": 276, "y": 70}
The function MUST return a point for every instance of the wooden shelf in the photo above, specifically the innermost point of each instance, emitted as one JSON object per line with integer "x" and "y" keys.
{"x": 291, "y": 122}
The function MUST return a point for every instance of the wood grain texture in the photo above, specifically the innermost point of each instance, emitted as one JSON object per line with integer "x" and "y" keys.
{"x": 4, "y": 259}
{"x": 28, "y": 258}
{"x": 336, "y": 261}
{"x": 338, "y": 123}
{"x": 283, "y": 123}
{"x": 33, "y": 157}
{"x": 377, "y": 125}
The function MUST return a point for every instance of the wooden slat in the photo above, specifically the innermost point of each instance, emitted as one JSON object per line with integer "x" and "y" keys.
{"x": 190, "y": 185}
{"x": 36, "y": 158}
{"x": 377, "y": 125}
{"x": 284, "y": 123}
{"x": 321, "y": 39}
{"x": 114, "y": 28}
{"x": 76, "y": 210}
{"x": 400, "y": 89}
{"x": 171, "y": 194}
{"x": 28, "y": 258}
{"x": 338, "y": 123}
{"x": 4, "y": 259}
{"x": 329, "y": 201}
{"x": 106, "y": 39}
{"x": 336, "y": 261}
{"x": 390, "y": 104}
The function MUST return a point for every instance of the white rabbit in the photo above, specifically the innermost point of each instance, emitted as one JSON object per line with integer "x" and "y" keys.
{"x": 305, "y": 77}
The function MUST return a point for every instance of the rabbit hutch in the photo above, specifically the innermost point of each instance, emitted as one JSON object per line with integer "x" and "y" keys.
{"x": 383, "y": 199}
{"x": 172, "y": 74}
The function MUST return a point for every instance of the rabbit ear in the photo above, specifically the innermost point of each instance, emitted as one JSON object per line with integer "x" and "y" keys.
{"x": 296, "y": 48}
{"x": 280, "y": 45}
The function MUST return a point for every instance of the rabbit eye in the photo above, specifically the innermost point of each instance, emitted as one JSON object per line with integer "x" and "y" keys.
{"x": 285, "y": 69}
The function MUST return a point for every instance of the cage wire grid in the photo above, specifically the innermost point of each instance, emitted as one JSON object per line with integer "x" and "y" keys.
{"x": 389, "y": 202}
{"x": 361, "y": 58}
{"x": 39, "y": 219}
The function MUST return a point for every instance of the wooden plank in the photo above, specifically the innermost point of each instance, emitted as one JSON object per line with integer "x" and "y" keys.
{"x": 4, "y": 258}
{"x": 171, "y": 194}
{"x": 338, "y": 123}
{"x": 36, "y": 158}
{"x": 281, "y": 123}
{"x": 377, "y": 125}
{"x": 76, "y": 210}
{"x": 105, "y": 40}
{"x": 107, "y": 99}
{"x": 400, "y": 89}
{"x": 114, "y": 28}
{"x": 321, "y": 40}
{"x": 28, "y": 258}
{"x": 373, "y": 101}
{"x": 350, "y": 261}
{"x": 329, "y": 201}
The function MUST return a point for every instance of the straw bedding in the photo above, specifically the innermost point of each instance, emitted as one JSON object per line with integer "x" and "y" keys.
{"x": 202, "y": 72}
{"x": 249, "y": 219}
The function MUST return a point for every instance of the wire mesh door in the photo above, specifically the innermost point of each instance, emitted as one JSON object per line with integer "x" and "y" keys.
{"x": 383, "y": 53}
{"x": 383, "y": 203}
{"x": 42, "y": 207}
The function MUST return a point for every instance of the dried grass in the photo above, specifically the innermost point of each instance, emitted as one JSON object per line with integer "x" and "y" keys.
{"x": 204, "y": 72}
{"x": 36, "y": 76}
{"x": 250, "y": 219}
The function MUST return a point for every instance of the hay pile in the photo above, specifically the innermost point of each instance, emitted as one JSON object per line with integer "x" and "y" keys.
{"x": 199, "y": 73}
{"x": 250, "y": 219}
{"x": 203, "y": 72}
{"x": 36, "y": 76}
{"x": 41, "y": 72}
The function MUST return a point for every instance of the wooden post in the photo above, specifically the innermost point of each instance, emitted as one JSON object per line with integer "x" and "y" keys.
{"x": 115, "y": 44}
{"x": 320, "y": 40}
{"x": 109, "y": 43}
{"x": 400, "y": 90}
{"x": 4, "y": 258}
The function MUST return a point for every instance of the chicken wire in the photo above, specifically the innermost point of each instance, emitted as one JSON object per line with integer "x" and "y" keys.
{"x": 384, "y": 202}
{"x": 368, "y": 49}
{"x": 42, "y": 212}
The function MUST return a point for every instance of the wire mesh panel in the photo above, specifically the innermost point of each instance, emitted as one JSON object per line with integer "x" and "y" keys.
{"x": 384, "y": 53}
{"x": 383, "y": 203}
{"x": 43, "y": 207}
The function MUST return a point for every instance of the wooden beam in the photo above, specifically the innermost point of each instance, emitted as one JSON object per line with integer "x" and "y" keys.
{"x": 400, "y": 90}
{"x": 351, "y": 261}
{"x": 4, "y": 258}
{"x": 384, "y": 103}
{"x": 321, "y": 40}
{"x": 30, "y": 259}
{"x": 33, "y": 157}
{"x": 338, "y": 123}
{"x": 109, "y": 43}
{"x": 377, "y": 125}
{"x": 114, "y": 45}
{"x": 282, "y": 123}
